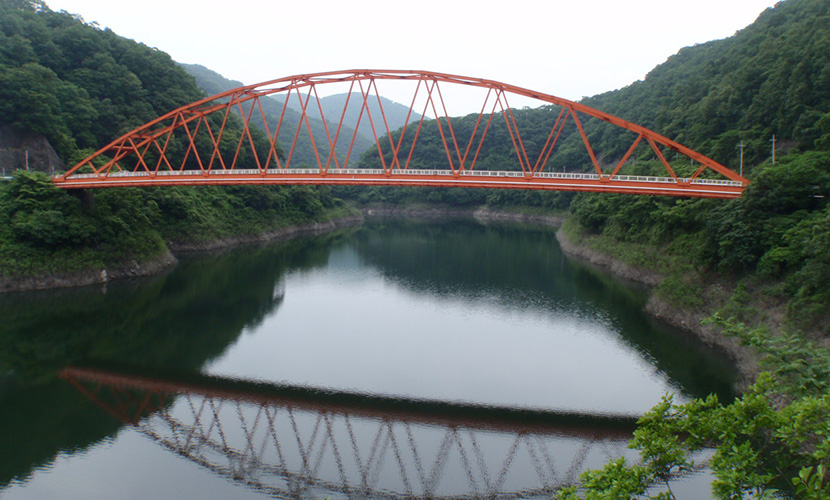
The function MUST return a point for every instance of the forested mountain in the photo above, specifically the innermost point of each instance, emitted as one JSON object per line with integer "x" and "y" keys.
{"x": 773, "y": 77}
{"x": 78, "y": 85}
{"x": 213, "y": 83}
{"x": 81, "y": 87}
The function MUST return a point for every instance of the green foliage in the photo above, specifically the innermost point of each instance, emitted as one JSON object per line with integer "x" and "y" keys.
{"x": 78, "y": 85}
{"x": 50, "y": 229}
{"x": 779, "y": 230}
{"x": 34, "y": 212}
{"x": 810, "y": 486}
{"x": 801, "y": 366}
{"x": 775, "y": 438}
{"x": 616, "y": 481}
{"x": 44, "y": 229}
{"x": 770, "y": 78}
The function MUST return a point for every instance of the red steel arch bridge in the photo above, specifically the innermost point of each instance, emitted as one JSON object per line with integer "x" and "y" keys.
{"x": 229, "y": 139}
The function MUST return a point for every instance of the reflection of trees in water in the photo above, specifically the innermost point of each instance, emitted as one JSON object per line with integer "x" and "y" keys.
{"x": 291, "y": 442}
{"x": 519, "y": 268}
{"x": 182, "y": 319}
{"x": 186, "y": 318}
{"x": 179, "y": 321}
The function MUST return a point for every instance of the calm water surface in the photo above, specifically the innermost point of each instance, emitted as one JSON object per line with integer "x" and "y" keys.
{"x": 399, "y": 359}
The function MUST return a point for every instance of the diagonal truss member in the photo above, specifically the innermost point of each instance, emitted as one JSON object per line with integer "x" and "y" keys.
{"x": 230, "y": 139}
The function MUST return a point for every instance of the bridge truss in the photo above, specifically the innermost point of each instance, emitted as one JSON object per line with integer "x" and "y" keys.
{"x": 229, "y": 139}
{"x": 300, "y": 446}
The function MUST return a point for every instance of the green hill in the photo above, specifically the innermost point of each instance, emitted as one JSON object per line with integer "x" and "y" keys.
{"x": 770, "y": 246}
{"x": 80, "y": 87}
{"x": 773, "y": 77}
{"x": 767, "y": 252}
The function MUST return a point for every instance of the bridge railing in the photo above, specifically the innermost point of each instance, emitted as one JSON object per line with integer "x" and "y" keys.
{"x": 411, "y": 172}
{"x": 229, "y": 138}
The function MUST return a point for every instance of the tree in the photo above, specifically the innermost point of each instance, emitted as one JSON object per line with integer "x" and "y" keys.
{"x": 775, "y": 437}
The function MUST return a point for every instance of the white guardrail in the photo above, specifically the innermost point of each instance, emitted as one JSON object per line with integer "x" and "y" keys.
{"x": 368, "y": 171}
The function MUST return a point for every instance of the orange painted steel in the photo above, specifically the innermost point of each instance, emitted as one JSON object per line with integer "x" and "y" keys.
{"x": 214, "y": 141}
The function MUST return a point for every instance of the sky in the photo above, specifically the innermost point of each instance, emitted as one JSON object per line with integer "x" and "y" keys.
{"x": 568, "y": 49}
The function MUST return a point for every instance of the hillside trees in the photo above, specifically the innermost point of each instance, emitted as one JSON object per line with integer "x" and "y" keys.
{"x": 81, "y": 86}
{"x": 774, "y": 439}
{"x": 769, "y": 78}
{"x": 46, "y": 230}
{"x": 78, "y": 85}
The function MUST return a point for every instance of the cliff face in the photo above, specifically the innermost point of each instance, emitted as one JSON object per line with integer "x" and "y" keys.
{"x": 16, "y": 145}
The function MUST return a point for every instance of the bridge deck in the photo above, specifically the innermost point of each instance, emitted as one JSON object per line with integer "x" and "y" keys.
{"x": 553, "y": 181}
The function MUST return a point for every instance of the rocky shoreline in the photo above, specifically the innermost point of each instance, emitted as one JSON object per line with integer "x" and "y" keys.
{"x": 746, "y": 360}
{"x": 691, "y": 321}
{"x": 134, "y": 269}
{"x": 127, "y": 269}
{"x": 266, "y": 237}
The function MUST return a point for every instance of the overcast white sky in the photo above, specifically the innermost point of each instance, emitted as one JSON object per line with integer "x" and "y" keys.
{"x": 569, "y": 49}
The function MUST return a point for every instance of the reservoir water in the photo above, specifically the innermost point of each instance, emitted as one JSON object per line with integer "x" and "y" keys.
{"x": 399, "y": 359}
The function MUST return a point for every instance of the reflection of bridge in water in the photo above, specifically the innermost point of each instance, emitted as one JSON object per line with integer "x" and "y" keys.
{"x": 291, "y": 442}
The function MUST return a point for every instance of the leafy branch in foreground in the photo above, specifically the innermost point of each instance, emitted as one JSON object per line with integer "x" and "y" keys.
{"x": 774, "y": 440}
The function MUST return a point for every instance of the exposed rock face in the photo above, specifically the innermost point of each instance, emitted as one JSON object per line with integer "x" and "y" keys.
{"x": 21, "y": 150}
{"x": 482, "y": 214}
{"x": 746, "y": 359}
{"x": 128, "y": 269}
{"x": 132, "y": 268}
{"x": 276, "y": 235}
{"x": 617, "y": 267}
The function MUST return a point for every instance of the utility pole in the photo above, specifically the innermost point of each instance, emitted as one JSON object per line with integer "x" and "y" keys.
{"x": 742, "y": 145}
{"x": 773, "y": 148}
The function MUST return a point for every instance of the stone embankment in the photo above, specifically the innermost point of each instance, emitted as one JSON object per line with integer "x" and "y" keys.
{"x": 134, "y": 268}
{"x": 269, "y": 236}
{"x": 478, "y": 213}
{"x": 694, "y": 321}
{"x": 129, "y": 269}
{"x": 690, "y": 320}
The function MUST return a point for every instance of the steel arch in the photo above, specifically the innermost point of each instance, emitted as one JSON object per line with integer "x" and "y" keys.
{"x": 140, "y": 157}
